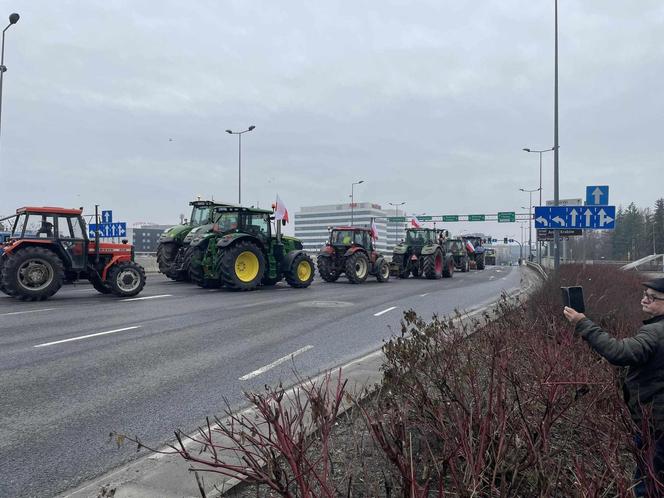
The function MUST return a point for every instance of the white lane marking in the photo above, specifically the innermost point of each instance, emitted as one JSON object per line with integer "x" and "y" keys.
{"x": 384, "y": 311}
{"x": 146, "y": 297}
{"x": 23, "y": 312}
{"x": 86, "y": 336}
{"x": 425, "y": 294}
{"x": 264, "y": 369}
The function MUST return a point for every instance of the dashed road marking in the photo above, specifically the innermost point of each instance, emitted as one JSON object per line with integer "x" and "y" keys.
{"x": 146, "y": 297}
{"x": 425, "y": 294}
{"x": 85, "y": 336}
{"x": 24, "y": 312}
{"x": 385, "y": 311}
{"x": 264, "y": 369}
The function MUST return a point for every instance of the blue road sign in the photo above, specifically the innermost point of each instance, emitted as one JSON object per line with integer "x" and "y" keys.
{"x": 107, "y": 216}
{"x": 589, "y": 217}
{"x": 108, "y": 230}
{"x": 597, "y": 195}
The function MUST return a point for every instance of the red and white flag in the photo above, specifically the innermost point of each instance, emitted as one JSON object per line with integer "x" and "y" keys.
{"x": 281, "y": 212}
{"x": 470, "y": 246}
{"x": 374, "y": 230}
{"x": 415, "y": 222}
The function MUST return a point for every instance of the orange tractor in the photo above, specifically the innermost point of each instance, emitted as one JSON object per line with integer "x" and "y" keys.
{"x": 49, "y": 246}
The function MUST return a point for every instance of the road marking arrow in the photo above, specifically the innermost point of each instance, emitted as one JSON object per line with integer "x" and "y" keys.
{"x": 559, "y": 220}
{"x": 573, "y": 214}
{"x": 597, "y": 194}
{"x": 543, "y": 221}
{"x": 588, "y": 213}
{"x": 603, "y": 218}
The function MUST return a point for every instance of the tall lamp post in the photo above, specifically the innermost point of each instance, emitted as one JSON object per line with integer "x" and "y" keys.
{"x": 540, "y": 152}
{"x": 396, "y": 213}
{"x": 239, "y": 159}
{"x": 352, "y": 200}
{"x": 13, "y": 19}
{"x": 556, "y": 196}
{"x": 530, "y": 219}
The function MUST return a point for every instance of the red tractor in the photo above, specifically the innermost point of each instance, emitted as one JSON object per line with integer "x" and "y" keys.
{"x": 350, "y": 250}
{"x": 49, "y": 246}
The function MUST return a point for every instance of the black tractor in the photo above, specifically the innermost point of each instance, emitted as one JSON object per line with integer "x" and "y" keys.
{"x": 457, "y": 248}
{"x": 475, "y": 251}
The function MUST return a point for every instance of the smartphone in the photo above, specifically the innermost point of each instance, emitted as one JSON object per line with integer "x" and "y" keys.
{"x": 573, "y": 297}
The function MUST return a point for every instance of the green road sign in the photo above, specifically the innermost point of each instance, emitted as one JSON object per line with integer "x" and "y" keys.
{"x": 396, "y": 219}
{"x": 425, "y": 218}
{"x": 475, "y": 217}
{"x": 452, "y": 217}
{"x": 506, "y": 217}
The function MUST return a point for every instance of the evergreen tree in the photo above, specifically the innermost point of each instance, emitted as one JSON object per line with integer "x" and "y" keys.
{"x": 658, "y": 226}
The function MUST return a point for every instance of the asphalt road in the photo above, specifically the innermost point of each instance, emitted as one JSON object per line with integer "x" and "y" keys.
{"x": 80, "y": 365}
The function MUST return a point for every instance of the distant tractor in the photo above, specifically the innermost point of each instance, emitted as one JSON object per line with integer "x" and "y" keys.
{"x": 49, "y": 246}
{"x": 241, "y": 252}
{"x": 173, "y": 241}
{"x": 350, "y": 250}
{"x": 423, "y": 253}
{"x": 475, "y": 251}
{"x": 457, "y": 248}
{"x": 490, "y": 256}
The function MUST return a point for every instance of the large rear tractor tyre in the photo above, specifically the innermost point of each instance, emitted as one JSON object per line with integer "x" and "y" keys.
{"x": 125, "y": 279}
{"x": 166, "y": 252}
{"x": 32, "y": 274}
{"x": 196, "y": 270}
{"x": 383, "y": 274}
{"x": 401, "y": 264}
{"x": 448, "y": 269}
{"x": 415, "y": 271}
{"x": 301, "y": 272}
{"x": 357, "y": 268}
{"x": 480, "y": 262}
{"x": 433, "y": 266}
{"x": 326, "y": 269}
{"x": 465, "y": 266}
{"x": 242, "y": 266}
{"x": 2, "y": 287}
{"x": 100, "y": 287}
{"x": 179, "y": 270}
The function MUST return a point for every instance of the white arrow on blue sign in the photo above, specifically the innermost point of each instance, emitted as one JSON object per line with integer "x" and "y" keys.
{"x": 107, "y": 216}
{"x": 597, "y": 195}
{"x": 590, "y": 217}
{"x": 108, "y": 230}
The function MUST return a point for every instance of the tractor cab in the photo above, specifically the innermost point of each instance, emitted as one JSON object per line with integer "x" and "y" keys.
{"x": 342, "y": 238}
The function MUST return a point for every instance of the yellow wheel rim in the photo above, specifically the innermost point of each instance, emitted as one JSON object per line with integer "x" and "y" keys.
{"x": 303, "y": 271}
{"x": 246, "y": 266}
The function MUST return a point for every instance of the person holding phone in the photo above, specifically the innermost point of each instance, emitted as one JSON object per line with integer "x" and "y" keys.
{"x": 643, "y": 388}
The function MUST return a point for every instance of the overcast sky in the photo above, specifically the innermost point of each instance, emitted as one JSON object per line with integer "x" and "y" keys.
{"x": 125, "y": 103}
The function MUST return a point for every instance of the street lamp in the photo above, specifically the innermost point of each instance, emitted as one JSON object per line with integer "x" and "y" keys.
{"x": 396, "y": 213}
{"x": 239, "y": 159}
{"x": 13, "y": 19}
{"x": 352, "y": 200}
{"x": 530, "y": 219}
{"x": 540, "y": 152}
{"x": 556, "y": 196}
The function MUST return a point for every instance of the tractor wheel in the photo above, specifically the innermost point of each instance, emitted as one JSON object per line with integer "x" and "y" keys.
{"x": 166, "y": 253}
{"x": 448, "y": 269}
{"x": 357, "y": 268}
{"x": 32, "y": 274}
{"x": 415, "y": 271}
{"x": 100, "y": 287}
{"x": 480, "y": 262}
{"x": 326, "y": 269}
{"x": 433, "y": 266}
{"x": 383, "y": 274}
{"x": 401, "y": 264}
{"x": 2, "y": 287}
{"x": 196, "y": 270}
{"x": 179, "y": 270}
{"x": 301, "y": 272}
{"x": 126, "y": 279}
{"x": 242, "y": 266}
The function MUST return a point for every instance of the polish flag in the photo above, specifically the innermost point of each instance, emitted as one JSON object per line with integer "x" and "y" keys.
{"x": 374, "y": 230}
{"x": 470, "y": 246}
{"x": 281, "y": 212}
{"x": 415, "y": 222}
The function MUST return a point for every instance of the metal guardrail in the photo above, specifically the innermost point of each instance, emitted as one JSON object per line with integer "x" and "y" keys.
{"x": 539, "y": 269}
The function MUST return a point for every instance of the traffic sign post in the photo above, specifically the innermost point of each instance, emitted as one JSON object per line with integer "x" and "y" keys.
{"x": 588, "y": 217}
{"x": 107, "y": 230}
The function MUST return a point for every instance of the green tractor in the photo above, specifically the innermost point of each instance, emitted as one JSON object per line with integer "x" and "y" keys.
{"x": 241, "y": 252}
{"x": 457, "y": 248}
{"x": 173, "y": 241}
{"x": 423, "y": 253}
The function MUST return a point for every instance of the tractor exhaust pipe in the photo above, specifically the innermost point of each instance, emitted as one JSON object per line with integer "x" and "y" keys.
{"x": 96, "y": 234}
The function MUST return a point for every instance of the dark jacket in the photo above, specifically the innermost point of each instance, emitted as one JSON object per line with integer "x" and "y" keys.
{"x": 643, "y": 355}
